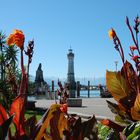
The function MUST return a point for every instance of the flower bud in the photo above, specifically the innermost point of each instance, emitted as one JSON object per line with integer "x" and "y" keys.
{"x": 111, "y": 33}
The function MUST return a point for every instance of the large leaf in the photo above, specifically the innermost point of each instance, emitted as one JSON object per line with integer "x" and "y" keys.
{"x": 127, "y": 102}
{"x": 54, "y": 120}
{"x": 18, "y": 108}
{"x": 82, "y": 129}
{"x": 4, "y": 128}
{"x": 89, "y": 128}
{"x": 30, "y": 124}
{"x": 119, "y": 110}
{"x": 3, "y": 114}
{"x": 113, "y": 107}
{"x": 135, "y": 111}
{"x": 58, "y": 124}
{"x": 131, "y": 76}
{"x": 38, "y": 125}
{"x": 116, "y": 85}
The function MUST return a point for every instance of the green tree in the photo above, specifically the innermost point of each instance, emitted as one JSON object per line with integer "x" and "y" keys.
{"x": 2, "y": 61}
{"x": 11, "y": 56}
{"x": 8, "y": 71}
{"x": 3, "y": 86}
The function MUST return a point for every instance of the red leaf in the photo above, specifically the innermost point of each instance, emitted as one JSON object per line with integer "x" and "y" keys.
{"x": 3, "y": 115}
{"x": 64, "y": 108}
{"x": 23, "y": 84}
{"x": 17, "y": 108}
{"x": 131, "y": 77}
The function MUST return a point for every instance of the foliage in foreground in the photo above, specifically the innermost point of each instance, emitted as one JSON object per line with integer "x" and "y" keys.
{"x": 124, "y": 86}
{"x": 57, "y": 124}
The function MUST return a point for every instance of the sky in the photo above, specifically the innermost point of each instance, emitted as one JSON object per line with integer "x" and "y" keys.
{"x": 55, "y": 25}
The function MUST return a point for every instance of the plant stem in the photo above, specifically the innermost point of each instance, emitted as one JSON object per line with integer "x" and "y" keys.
{"x": 132, "y": 34}
{"x": 22, "y": 64}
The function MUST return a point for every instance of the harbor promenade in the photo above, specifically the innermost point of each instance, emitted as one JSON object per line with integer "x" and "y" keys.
{"x": 90, "y": 106}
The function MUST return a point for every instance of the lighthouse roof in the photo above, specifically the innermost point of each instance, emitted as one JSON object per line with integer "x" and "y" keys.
{"x": 70, "y": 52}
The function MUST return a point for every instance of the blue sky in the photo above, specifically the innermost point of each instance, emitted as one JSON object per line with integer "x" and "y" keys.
{"x": 83, "y": 24}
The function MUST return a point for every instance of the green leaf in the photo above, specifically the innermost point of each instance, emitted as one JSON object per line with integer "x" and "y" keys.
{"x": 135, "y": 134}
{"x": 102, "y": 131}
{"x": 130, "y": 128}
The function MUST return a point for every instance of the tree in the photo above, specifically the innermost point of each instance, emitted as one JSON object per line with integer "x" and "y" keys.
{"x": 8, "y": 71}
{"x": 11, "y": 56}
{"x": 2, "y": 61}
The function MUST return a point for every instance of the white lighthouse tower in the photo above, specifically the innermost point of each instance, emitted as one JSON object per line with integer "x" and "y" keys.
{"x": 70, "y": 76}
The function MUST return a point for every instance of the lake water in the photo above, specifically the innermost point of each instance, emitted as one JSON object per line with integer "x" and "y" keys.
{"x": 93, "y": 93}
{"x": 83, "y": 94}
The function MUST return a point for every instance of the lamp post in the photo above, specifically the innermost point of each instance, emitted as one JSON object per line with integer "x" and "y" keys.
{"x": 116, "y": 63}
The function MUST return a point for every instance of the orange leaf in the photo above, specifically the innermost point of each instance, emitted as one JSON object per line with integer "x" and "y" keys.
{"x": 135, "y": 111}
{"x": 116, "y": 85}
{"x": 105, "y": 122}
{"x": 3, "y": 115}
{"x": 17, "y": 108}
{"x": 57, "y": 122}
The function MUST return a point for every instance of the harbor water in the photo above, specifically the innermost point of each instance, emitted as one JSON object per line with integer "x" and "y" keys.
{"x": 93, "y": 93}
{"x": 83, "y": 94}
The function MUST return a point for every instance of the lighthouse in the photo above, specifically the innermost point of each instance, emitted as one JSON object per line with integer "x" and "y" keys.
{"x": 70, "y": 76}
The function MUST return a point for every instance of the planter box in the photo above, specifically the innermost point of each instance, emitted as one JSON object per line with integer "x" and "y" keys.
{"x": 74, "y": 102}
